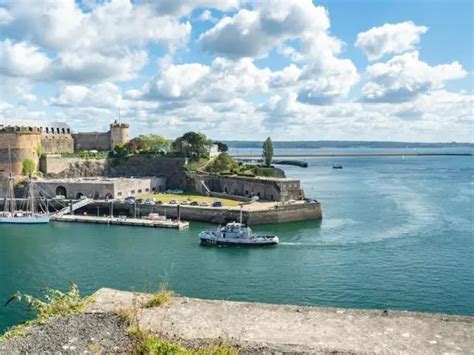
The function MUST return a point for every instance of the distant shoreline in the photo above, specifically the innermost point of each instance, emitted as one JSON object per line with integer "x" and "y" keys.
{"x": 326, "y": 155}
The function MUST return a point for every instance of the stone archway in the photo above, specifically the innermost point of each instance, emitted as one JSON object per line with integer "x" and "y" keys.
{"x": 79, "y": 195}
{"x": 61, "y": 191}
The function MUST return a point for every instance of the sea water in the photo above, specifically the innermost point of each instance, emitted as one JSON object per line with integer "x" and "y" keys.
{"x": 397, "y": 233}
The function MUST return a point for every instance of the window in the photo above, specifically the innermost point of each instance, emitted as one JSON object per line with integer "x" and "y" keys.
{"x": 139, "y": 190}
{"x": 147, "y": 190}
{"x": 119, "y": 194}
{"x": 132, "y": 192}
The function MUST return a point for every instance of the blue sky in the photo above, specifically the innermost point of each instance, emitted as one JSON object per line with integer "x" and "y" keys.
{"x": 241, "y": 69}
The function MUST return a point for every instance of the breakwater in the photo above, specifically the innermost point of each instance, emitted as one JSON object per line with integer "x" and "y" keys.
{"x": 352, "y": 155}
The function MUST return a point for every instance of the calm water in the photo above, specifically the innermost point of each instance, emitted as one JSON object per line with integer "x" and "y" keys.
{"x": 397, "y": 233}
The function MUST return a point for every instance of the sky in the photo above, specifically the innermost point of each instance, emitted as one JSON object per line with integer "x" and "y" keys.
{"x": 241, "y": 69}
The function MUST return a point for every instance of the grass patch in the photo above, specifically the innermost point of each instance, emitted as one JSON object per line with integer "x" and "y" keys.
{"x": 163, "y": 296}
{"x": 147, "y": 343}
{"x": 55, "y": 303}
{"x": 166, "y": 198}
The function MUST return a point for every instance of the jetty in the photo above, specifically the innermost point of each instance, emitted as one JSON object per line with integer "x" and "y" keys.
{"x": 122, "y": 221}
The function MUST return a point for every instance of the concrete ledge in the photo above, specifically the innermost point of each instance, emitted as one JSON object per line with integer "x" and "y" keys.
{"x": 264, "y": 327}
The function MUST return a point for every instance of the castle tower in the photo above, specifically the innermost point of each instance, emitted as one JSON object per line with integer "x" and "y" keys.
{"x": 118, "y": 134}
{"x": 18, "y": 143}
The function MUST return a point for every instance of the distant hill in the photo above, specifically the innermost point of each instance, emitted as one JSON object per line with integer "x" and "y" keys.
{"x": 344, "y": 144}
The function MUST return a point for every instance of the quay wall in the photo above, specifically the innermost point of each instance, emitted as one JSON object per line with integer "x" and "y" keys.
{"x": 280, "y": 214}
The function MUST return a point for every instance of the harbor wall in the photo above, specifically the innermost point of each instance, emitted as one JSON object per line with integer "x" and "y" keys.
{"x": 279, "y": 214}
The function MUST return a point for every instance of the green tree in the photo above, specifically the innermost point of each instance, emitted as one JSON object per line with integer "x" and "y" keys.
{"x": 193, "y": 145}
{"x": 267, "y": 152}
{"x": 155, "y": 143}
{"x": 222, "y": 147}
{"x": 121, "y": 151}
{"x": 29, "y": 167}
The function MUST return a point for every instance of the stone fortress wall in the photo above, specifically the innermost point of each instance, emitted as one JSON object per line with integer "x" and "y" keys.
{"x": 28, "y": 142}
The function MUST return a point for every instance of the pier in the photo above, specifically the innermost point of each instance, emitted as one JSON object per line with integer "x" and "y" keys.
{"x": 123, "y": 221}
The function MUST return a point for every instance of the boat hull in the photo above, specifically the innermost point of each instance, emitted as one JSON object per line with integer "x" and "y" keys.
{"x": 25, "y": 220}
{"x": 230, "y": 243}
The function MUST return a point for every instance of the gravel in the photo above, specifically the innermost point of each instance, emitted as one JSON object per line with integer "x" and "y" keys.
{"x": 81, "y": 333}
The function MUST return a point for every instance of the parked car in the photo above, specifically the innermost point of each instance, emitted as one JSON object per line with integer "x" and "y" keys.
{"x": 194, "y": 203}
{"x": 217, "y": 204}
{"x": 149, "y": 201}
{"x": 130, "y": 200}
{"x": 159, "y": 202}
{"x": 173, "y": 202}
{"x": 139, "y": 200}
{"x": 203, "y": 204}
{"x": 184, "y": 203}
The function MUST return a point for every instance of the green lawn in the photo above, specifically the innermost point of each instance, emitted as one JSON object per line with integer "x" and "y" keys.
{"x": 166, "y": 198}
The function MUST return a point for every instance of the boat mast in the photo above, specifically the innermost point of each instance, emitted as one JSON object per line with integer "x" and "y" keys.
{"x": 30, "y": 207}
{"x": 10, "y": 194}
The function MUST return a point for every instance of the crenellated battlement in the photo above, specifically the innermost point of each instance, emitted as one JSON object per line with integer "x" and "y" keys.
{"x": 27, "y": 142}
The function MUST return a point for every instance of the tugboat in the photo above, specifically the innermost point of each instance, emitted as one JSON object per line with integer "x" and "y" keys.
{"x": 337, "y": 166}
{"x": 236, "y": 234}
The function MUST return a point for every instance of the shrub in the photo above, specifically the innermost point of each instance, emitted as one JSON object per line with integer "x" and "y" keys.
{"x": 56, "y": 303}
{"x": 29, "y": 166}
{"x": 223, "y": 162}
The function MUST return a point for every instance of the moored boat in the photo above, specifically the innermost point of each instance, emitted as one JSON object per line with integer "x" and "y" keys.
{"x": 236, "y": 234}
{"x": 30, "y": 215}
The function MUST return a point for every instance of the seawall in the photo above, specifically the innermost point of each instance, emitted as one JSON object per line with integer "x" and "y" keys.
{"x": 252, "y": 214}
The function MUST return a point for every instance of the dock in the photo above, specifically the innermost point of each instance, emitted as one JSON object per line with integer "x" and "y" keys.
{"x": 134, "y": 222}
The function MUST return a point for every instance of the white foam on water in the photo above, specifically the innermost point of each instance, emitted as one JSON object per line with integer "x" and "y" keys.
{"x": 416, "y": 211}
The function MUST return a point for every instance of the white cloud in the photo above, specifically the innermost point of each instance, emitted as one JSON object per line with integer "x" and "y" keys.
{"x": 102, "y": 44}
{"x": 106, "y": 95}
{"x": 62, "y": 25}
{"x": 206, "y": 15}
{"x": 95, "y": 67}
{"x": 252, "y": 33}
{"x": 184, "y": 7}
{"x": 21, "y": 59}
{"x": 389, "y": 38}
{"x": 404, "y": 77}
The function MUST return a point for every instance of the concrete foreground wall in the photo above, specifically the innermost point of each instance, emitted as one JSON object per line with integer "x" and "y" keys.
{"x": 258, "y": 327}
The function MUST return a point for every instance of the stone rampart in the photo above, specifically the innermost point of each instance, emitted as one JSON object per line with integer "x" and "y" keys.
{"x": 57, "y": 143}
{"x": 269, "y": 189}
{"x": 92, "y": 141}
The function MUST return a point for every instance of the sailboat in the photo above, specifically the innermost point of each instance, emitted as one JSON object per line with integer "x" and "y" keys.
{"x": 30, "y": 216}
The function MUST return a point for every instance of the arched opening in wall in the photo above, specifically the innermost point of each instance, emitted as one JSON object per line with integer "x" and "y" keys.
{"x": 61, "y": 191}
{"x": 246, "y": 192}
{"x": 79, "y": 195}
{"x": 96, "y": 195}
{"x": 259, "y": 195}
{"x": 225, "y": 189}
{"x": 108, "y": 196}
